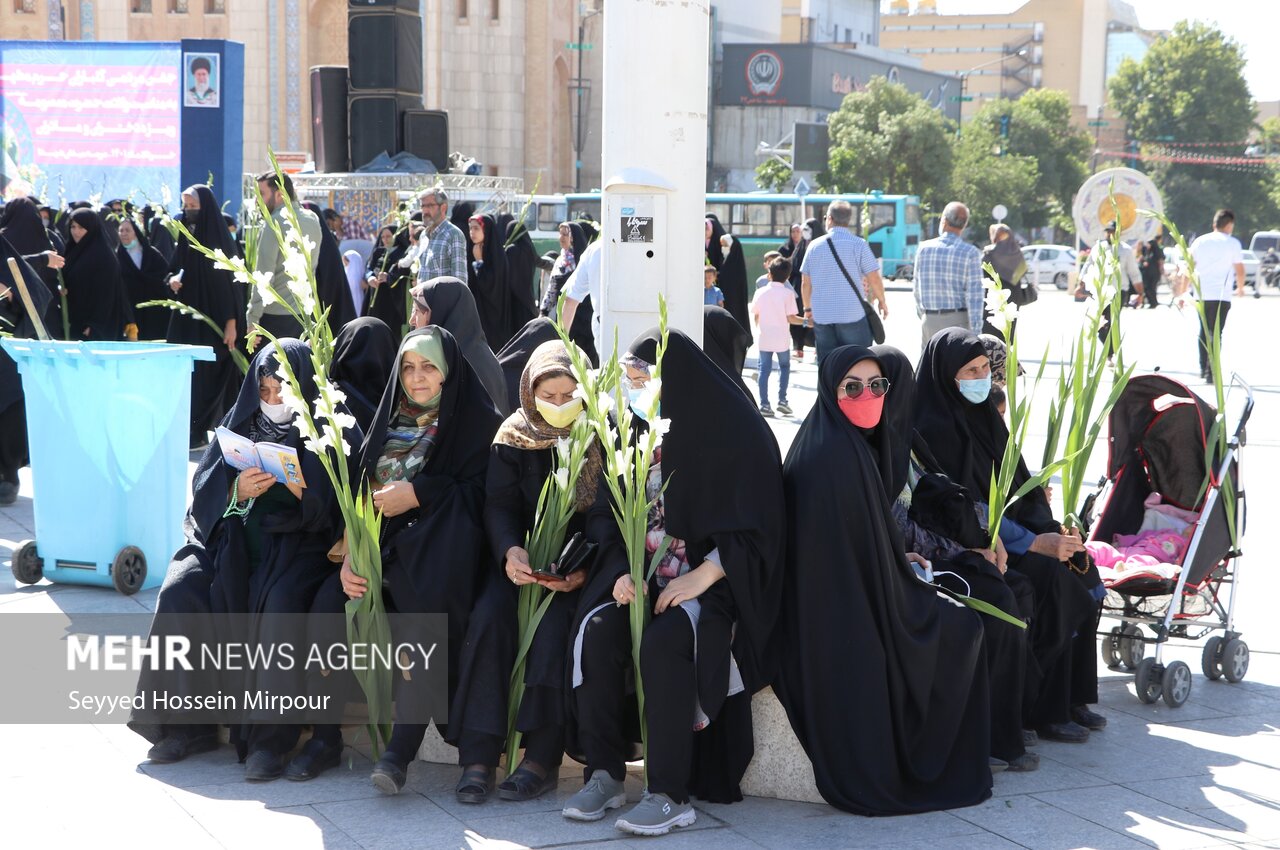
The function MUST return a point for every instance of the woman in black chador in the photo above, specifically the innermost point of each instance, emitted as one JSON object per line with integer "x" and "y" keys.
{"x": 522, "y": 458}
{"x": 715, "y": 596}
{"x": 21, "y": 224}
{"x": 957, "y": 418}
{"x": 447, "y": 303}
{"x": 364, "y": 353}
{"x": 95, "y": 291}
{"x": 515, "y": 355}
{"x": 882, "y": 677}
{"x": 13, "y": 417}
{"x": 726, "y": 343}
{"x": 487, "y": 279}
{"x": 522, "y": 259}
{"x": 255, "y": 546}
{"x": 386, "y": 298}
{"x": 143, "y": 269}
{"x": 211, "y": 291}
{"x": 425, "y": 457}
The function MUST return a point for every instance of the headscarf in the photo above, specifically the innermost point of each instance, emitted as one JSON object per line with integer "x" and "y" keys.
{"x": 968, "y": 439}
{"x": 364, "y": 354}
{"x": 815, "y": 229}
{"x": 854, "y": 614}
{"x": 713, "y": 249}
{"x": 726, "y": 343}
{"x": 892, "y": 438}
{"x": 488, "y": 281}
{"x": 355, "y": 279}
{"x": 516, "y": 353}
{"x": 525, "y": 429}
{"x": 733, "y": 281}
{"x": 410, "y": 436}
{"x": 145, "y": 282}
{"x": 1005, "y": 256}
{"x": 454, "y": 309}
{"x": 997, "y": 353}
{"x": 522, "y": 259}
{"x": 387, "y": 301}
{"x": 95, "y": 289}
{"x": 21, "y": 224}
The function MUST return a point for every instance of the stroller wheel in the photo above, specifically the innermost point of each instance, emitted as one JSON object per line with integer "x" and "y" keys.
{"x": 1131, "y": 646}
{"x": 1176, "y": 684}
{"x": 1211, "y": 658}
{"x": 1111, "y": 649}
{"x": 1147, "y": 680}
{"x": 1235, "y": 660}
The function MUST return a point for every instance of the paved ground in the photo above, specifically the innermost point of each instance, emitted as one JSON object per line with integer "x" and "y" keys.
{"x": 1206, "y": 775}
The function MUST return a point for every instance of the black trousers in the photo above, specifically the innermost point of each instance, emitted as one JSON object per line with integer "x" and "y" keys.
{"x": 13, "y": 441}
{"x": 671, "y": 693}
{"x": 1150, "y": 287}
{"x": 1215, "y": 315}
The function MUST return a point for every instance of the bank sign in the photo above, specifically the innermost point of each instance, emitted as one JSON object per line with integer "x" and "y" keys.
{"x": 810, "y": 75}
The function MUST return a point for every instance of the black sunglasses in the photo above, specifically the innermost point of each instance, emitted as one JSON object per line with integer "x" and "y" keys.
{"x": 854, "y": 387}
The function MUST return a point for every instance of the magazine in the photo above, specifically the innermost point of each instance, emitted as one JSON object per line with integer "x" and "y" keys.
{"x": 242, "y": 453}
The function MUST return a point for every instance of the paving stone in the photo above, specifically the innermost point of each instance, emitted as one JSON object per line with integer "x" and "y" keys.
{"x": 1039, "y": 826}
{"x": 1142, "y": 817}
{"x": 407, "y": 820}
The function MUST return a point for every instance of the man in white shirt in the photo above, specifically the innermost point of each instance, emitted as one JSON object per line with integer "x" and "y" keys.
{"x": 583, "y": 283}
{"x": 1219, "y": 263}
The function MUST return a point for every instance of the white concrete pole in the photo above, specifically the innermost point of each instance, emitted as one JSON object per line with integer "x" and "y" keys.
{"x": 655, "y": 165}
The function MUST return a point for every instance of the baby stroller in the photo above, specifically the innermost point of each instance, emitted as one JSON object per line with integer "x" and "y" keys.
{"x": 1161, "y": 436}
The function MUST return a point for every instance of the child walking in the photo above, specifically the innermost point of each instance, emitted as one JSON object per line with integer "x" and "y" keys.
{"x": 773, "y": 309}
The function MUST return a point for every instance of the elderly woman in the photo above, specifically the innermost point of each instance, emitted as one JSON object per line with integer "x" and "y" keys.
{"x": 522, "y": 458}
{"x": 143, "y": 269}
{"x": 255, "y": 546}
{"x": 1005, "y": 257}
{"x": 425, "y": 456}
{"x": 881, "y": 676}
{"x": 958, "y": 419}
{"x": 714, "y": 597}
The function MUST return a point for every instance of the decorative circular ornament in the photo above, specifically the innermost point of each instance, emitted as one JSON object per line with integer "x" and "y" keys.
{"x": 1094, "y": 209}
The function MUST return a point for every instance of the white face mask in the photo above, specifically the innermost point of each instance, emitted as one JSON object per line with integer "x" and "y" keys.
{"x": 277, "y": 413}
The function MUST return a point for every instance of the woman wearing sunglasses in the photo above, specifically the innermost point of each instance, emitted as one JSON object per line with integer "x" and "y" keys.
{"x": 881, "y": 675}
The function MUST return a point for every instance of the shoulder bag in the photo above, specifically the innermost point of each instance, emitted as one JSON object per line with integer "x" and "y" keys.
{"x": 873, "y": 318}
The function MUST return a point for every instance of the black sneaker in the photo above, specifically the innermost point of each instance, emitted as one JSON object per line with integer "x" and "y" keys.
{"x": 766, "y": 411}
{"x": 314, "y": 759}
{"x": 8, "y": 493}
{"x": 784, "y": 408}
{"x": 1088, "y": 718}
{"x": 1067, "y": 733}
{"x": 263, "y": 766}
{"x": 388, "y": 776}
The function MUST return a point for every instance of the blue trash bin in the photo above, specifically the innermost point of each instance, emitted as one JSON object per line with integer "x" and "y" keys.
{"x": 108, "y": 425}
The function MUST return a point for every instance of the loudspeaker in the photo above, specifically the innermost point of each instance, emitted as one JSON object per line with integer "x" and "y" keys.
{"x": 426, "y": 135}
{"x": 384, "y": 50}
{"x": 329, "y": 118}
{"x": 407, "y": 5}
{"x": 374, "y": 122}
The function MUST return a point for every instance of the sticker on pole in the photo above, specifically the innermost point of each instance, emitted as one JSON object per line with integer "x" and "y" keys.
{"x": 636, "y": 228}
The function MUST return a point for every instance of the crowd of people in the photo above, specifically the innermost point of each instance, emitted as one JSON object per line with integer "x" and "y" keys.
{"x": 831, "y": 575}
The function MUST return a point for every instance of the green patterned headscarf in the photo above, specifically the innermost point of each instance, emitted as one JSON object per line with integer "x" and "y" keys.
{"x": 411, "y": 432}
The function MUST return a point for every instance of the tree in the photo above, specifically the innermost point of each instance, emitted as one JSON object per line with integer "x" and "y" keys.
{"x": 886, "y": 137}
{"x": 1190, "y": 87}
{"x": 773, "y": 176}
{"x": 1034, "y": 170}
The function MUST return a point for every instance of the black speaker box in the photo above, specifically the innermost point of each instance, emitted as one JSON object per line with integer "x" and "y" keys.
{"x": 426, "y": 135}
{"x": 374, "y": 120}
{"x": 384, "y": 50}
{"x": 329, "y": 118}
{"x": 407, "y": 5}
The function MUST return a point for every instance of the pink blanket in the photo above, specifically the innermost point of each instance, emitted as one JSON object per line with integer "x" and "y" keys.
{"x": 1145, "y": 549}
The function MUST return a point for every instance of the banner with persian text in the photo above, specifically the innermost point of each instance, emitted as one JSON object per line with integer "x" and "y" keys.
{"x": 81, "y": 121}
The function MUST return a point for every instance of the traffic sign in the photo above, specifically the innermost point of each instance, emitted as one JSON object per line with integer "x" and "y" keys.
{"x": 575, "y": 45}
{"x": 961, "y": 98}
{"x": 999, "y": 212}
{"x": 1099, "y": 123}
{"x": 802, "y": 187}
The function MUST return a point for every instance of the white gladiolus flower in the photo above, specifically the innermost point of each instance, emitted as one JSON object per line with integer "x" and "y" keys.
{"x": 344, "y": 420}
{"x": 563, "y": 449}
{"x": 660, "y": 426}
{"x": 605, "y": 403}
{"x": 562, "y": 479}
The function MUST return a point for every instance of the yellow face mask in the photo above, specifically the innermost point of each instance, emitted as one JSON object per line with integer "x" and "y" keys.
{"x": 559, "y": 416}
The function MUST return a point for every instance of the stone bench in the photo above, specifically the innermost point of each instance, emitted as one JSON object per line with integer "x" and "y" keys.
{"x": 780, "y": 768}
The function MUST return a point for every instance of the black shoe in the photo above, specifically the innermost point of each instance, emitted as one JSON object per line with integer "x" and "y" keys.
{"x": 1082, "y": 715}
{"x": 8, "y": 493}
{"x": 1067, "y": 733}
{"x": 1030, "y": 738}
{"x": 476, "y": 784}
{"x": 176, "y": 746}
{"x": 388, "y": 776}
{"x": 314, "y": 759}
{"x": 263, "y": 766}
{"x": 1024, "y": 763}
{"x": 525, "y": 784}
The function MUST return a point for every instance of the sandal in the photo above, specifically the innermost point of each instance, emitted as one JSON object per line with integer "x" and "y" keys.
{"x": 476, "y": 784}
{"x": 525, "y": 783}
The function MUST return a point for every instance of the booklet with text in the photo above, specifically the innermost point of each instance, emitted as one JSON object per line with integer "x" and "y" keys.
{"x": 243, "y": 453}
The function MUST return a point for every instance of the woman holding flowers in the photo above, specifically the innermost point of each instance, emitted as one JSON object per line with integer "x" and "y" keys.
{"x": 957, "y": 418}
{"x": 531, "y": 446}
{"x": 254, "y": 546}
{"x": 882, "y": 676}
{"x": 716, "y": 532}
{"x": 425, "y": 457}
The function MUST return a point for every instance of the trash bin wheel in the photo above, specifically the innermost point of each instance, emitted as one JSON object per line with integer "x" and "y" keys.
{"x": 1147, "y": 680}
{"x": 1111, "y": 648}
{"x": 1175, "y": 684}
{"x": 1211, "y": 658}
{"x": 1131, "y": 646}
{"x": 1235, "y": 660}
{"x": 26, "y": 565}
{"x": 129, "y": 570}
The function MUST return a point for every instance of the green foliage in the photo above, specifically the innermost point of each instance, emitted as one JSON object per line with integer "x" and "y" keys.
{"x": 1191, "y": 87}
{"x": 773, "y": 176}
{"x": 886, "y": 137}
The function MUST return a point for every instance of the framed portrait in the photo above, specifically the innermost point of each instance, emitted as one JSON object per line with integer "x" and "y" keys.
{"x": 202, "y": 78}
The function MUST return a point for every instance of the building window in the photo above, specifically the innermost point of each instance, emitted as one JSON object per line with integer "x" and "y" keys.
{"x": 178, "y": 7}
{"x": 140, "y": 7}
{"x": 215, "y": 7}
{"x": 493, "y": 10}
{"x": 462, "y": 10}
{"x": 24, "y": 7}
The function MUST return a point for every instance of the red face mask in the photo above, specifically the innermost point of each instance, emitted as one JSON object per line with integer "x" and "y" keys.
{"x": 863, "y": 411}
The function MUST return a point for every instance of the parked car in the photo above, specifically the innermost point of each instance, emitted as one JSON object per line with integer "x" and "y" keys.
{"x": 1054, "y": 264}
{"x": 1251, "y": 264}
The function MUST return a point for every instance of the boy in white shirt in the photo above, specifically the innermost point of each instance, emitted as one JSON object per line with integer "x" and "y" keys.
{"x": 1219, "y": 264}
{"x": 773, "y": 309}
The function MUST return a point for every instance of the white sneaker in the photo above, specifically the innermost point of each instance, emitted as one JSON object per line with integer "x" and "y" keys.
{"x": 656, "y": 814}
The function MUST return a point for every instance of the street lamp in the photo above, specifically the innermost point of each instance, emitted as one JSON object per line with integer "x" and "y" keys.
{"x": 964, "y": 77}
{"x": 581, "y": 88}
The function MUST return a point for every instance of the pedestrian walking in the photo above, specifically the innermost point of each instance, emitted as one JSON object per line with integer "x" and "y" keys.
{"x": 1219, "y": 262}
{"x": 835, "y": 266}
{"x": 948, "y": 280}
